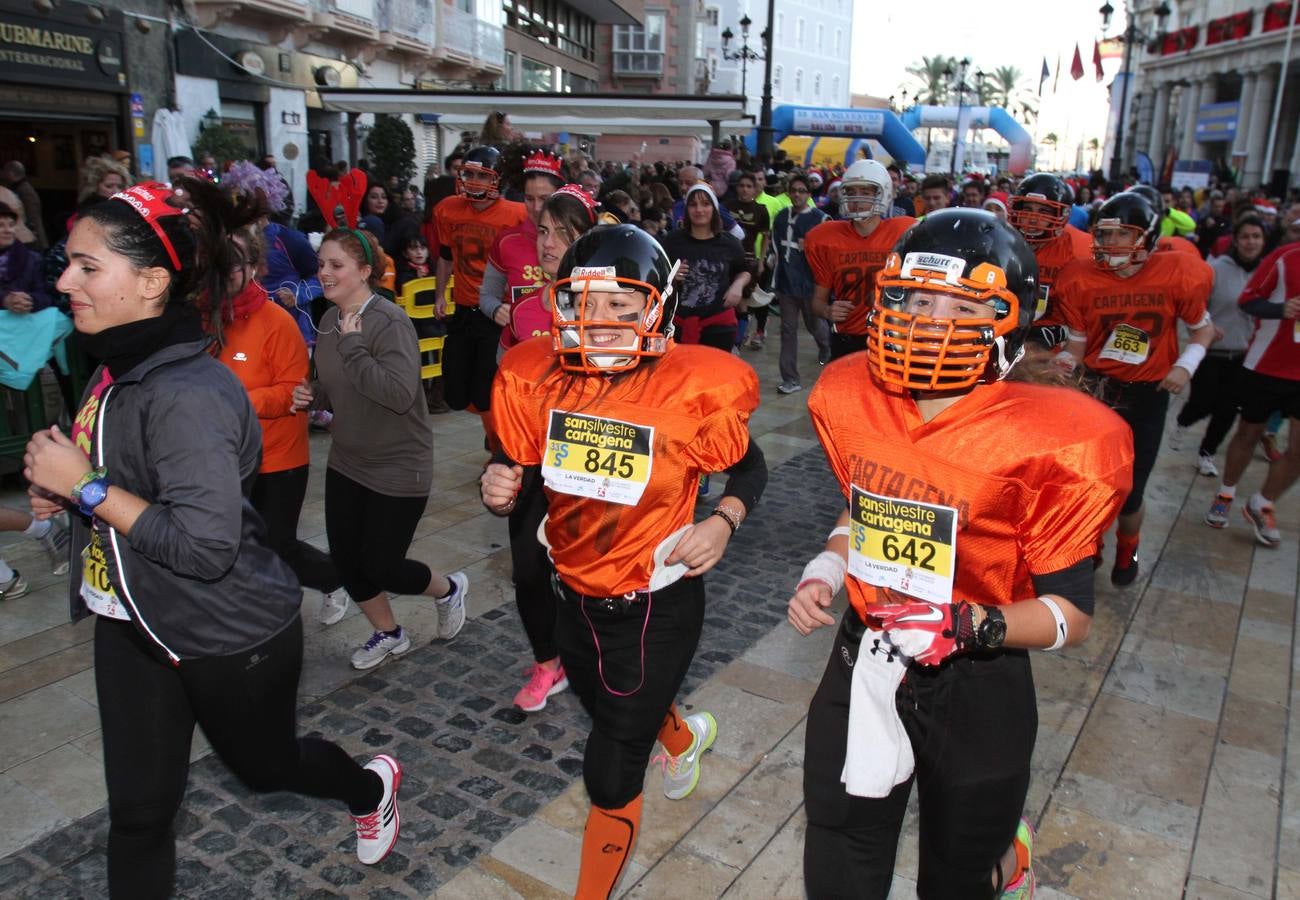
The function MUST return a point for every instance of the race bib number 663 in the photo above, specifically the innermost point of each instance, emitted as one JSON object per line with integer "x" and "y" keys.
{"x": 599, "y": 458}
{"x": 903, "y": 545}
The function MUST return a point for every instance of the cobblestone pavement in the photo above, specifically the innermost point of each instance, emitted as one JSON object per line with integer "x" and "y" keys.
{"x": 474, "y": 767}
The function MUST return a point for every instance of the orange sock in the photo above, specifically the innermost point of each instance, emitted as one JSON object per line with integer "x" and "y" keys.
{"x": 674, "y": 734}
{"x": 606, "y": 847}
{"x": 1125, "y": 546}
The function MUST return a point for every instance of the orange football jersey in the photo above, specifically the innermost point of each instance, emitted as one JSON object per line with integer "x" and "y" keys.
{"x": 666, "y": 423}
{"x": 1131, "y": 323}
{"x": 1173, "y": 244}
{"x": 1052, "y": 257}
{"x": 847, "y": 263}
{"x": 1035, "y": 474}
{"x": 470, "y": 235}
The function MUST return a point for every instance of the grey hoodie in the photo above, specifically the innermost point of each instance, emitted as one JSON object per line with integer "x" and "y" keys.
{"x": 196, "y": 573}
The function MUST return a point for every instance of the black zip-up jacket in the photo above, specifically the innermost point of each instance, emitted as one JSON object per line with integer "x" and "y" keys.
{"x": 196, "y": 573}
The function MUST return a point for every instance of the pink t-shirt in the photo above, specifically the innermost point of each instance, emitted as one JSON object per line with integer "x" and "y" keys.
{"x": 529, "y": 317}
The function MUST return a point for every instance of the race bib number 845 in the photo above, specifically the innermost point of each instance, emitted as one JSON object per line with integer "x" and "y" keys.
{"x": 903, "y": 545}
{"x": 599, "y": 458}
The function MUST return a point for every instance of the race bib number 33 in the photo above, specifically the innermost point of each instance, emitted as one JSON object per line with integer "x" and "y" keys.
{"x": 903, "y": 545}
{"x": 602, "y": 459}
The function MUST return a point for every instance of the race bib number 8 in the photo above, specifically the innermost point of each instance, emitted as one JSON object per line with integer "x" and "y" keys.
{"x": 903, "y": 545}
{"x": 599, "y": 458}
{"x": 1127, "y": 344}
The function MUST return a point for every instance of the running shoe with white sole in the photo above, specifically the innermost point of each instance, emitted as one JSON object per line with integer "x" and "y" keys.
{"x": 1217, "y": 516}
{"x": 1022, "y": 887}
{"x": 380, "y": 646}
{"x": 682, "y": 773}
{"x": 542, "y": 684}
{"x": 789, "y": 387}
{"x": 56, "y": 542}
{"x": 1125, "y": 570}
{"x": 377, "y": 832}
{"x": 1264, "y": 523}
{"x": 333, "y": 606}
{"x": 451, "y": 609}
{"x": 1205, "y": 465}
{"x": 14, "y": 588}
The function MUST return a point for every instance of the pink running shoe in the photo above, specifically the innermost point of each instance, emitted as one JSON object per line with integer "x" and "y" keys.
{"x": 542, "y": 683}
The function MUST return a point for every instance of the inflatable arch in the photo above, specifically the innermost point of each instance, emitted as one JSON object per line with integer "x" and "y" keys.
{"x": 994, "y": 117}
{"x": 836, "y": 122}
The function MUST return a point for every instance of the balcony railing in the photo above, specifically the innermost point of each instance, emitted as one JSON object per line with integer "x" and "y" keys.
{"x": 456, "y": 33}
{"x": 489, "y": 45}
{"x": 410, "y": 21}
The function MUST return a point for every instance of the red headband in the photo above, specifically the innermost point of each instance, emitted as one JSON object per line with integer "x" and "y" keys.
{"x": 574, "y": 190}
{"x": 149, "y": 199}
{"x": 543, "y": 162}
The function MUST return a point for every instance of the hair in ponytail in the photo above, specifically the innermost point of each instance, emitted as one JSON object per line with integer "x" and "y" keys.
{"x": 200, "y": 240}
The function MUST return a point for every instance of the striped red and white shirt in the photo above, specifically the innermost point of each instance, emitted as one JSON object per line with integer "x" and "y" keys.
{"x": 1275, "y": 345}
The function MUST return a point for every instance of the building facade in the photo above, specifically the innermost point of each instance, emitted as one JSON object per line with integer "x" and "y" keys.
{"x": 1216, "y": 86}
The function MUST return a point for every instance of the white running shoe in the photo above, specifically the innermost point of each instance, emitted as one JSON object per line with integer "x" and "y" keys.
{"x": 14, "y": 588}
{"x": 55, "y": 543}
{"x": 451, "y": 610}
{"x": 377, "y": 832}
{"x": 1205, "y": 465}
{"x": 380, "y": 646}
{"x": 682, "y": 773}
{"x": 333, "y": 606}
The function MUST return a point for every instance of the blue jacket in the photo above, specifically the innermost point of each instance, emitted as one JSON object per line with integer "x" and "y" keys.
{"x": 792, "y": 275}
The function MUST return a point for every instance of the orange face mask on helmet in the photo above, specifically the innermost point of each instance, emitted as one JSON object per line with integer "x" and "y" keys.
{"x": 961, "y": 253}
{"x": 618, "y": 259}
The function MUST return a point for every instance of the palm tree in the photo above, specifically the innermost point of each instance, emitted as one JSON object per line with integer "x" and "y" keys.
{"x": 929, "y": 72}
{"x": 1008, "y": 86}
{"x": 1051, "y": 138}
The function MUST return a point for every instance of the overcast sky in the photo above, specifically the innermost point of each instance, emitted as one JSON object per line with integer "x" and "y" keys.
{"x": 889, "y": 38}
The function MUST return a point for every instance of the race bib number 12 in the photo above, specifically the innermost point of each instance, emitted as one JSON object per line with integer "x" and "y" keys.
{"x": 599, "y": 458}
{"x": 903, "y": 545}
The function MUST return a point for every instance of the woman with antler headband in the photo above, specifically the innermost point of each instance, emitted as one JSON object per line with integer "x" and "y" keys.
{"x": 197, "y": 618}
{"x": 381, "y": 456}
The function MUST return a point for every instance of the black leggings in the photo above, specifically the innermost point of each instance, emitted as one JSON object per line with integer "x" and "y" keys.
{"x": 278, "y": 497}
{"x": 1143, "y": 406}
{"x": 534, "y": 593}
{"x": 369, "y": 534}
{"x": 972, "y": 723}
{"x": 469, "y": 359}
{"x": 245, "y": 703}
{"x": 623, "y": 729}
{"x": 844, "y": 344}
{"x": 1213, "y": 393}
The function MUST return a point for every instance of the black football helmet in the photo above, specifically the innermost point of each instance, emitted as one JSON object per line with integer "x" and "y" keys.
{"x": 1153, "y": 196}
{"x": 482, "y": 166}
{"x": 966, "y": 253}
{"x": 1040, "y": 208}
{"x": 1126, "y": 231}
{"x": 618, "y": 259}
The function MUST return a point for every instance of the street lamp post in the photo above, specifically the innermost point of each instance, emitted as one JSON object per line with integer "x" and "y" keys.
{"x": 747, "y": 54}
{"x": 1131, "y": 35}
{"x": 957, "y": 130}
{"x": 744, "y": 52}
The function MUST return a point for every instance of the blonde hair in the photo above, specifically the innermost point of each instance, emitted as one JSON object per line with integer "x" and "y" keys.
{"x": 93, "y": 172}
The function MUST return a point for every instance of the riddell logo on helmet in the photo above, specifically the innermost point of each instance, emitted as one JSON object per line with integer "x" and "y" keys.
{"x": 584, "y": 273}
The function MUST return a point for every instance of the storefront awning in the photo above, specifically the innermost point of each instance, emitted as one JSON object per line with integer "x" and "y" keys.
{"x": 581, "y": 113}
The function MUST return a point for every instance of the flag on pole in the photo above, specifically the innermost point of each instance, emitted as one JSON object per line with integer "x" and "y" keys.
{"x": 1076, "y": 67}
{"x": 1096, "y": 59}
{"x": 1046, "y": 74}
{"x": 1057, "y": 79}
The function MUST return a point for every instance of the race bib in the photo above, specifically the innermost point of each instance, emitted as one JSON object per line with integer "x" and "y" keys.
{"x": 903, "y": 545}
{"x": 1127, "y": 344}
{"x": 96, "y": 589}
{"x": 599, "y": 458}
{"x": 1040, "y": 302}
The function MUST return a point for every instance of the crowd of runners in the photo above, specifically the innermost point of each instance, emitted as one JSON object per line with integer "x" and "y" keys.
{"x": 995, "y": 363}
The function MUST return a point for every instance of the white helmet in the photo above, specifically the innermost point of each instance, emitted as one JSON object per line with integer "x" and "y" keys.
{"x": 856, "y": 204}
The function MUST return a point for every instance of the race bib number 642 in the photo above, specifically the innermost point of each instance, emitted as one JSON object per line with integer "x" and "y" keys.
{"x": 599, "y": 458}
{"x": 903, "y": 545}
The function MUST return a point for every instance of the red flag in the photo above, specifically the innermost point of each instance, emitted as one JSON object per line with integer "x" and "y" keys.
{"x": 1076, "y": 67}
{"x": 1096, "y": 59}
